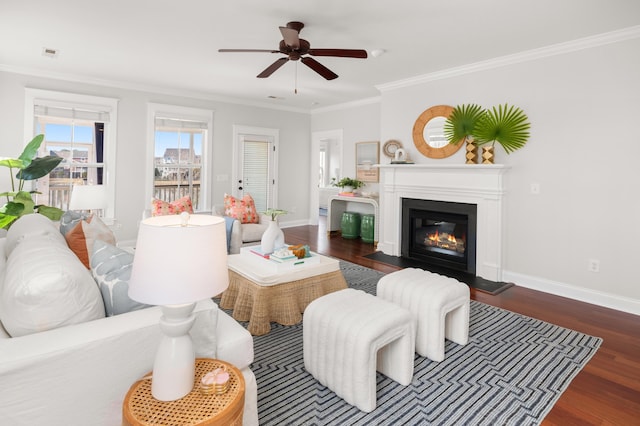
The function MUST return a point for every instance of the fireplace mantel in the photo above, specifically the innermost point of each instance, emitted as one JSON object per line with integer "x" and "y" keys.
{"x": 483, "y": 185}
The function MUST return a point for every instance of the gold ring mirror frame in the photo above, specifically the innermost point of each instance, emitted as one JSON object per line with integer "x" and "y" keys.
{"x": 418, "y": 133}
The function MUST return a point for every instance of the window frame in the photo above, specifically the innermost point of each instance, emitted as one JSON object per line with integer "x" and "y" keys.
{"x": 80, "y": 101}
{"x": 181, "y": 113}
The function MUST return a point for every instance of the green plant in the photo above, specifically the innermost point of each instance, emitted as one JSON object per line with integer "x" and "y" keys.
{"x": 345, "y": 181}
{"x": 274, "y": 213}
{"x": 507, "y": 125}
{"x": 462, "y": 122}
{"x": 19, "y": 201}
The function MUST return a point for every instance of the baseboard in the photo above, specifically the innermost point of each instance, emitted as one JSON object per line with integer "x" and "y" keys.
{"x": 292, "y": 223}
{"x": 607, "y": 300}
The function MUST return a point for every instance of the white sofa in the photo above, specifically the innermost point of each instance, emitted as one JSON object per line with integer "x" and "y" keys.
{"x": 79, "y": 374}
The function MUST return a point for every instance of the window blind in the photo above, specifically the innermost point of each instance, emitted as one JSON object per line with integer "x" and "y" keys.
{"x": 72, "y": 113}
{"x": 174, "y": 124}
{"x": 256, "y": 169}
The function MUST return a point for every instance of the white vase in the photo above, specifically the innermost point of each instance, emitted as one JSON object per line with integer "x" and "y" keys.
{"x": 272, "y": 238}
{"x": 347, "y": 188}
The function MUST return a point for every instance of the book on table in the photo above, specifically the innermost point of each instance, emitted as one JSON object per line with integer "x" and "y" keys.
{"x": 258, "y": 250}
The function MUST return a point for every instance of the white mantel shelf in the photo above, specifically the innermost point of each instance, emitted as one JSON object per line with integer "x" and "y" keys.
{"x": 482, "y": 184}
{"x": 462, "y": 167}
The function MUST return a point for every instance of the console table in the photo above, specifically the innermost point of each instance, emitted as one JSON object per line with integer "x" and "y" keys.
{"x": 339, "y": 204}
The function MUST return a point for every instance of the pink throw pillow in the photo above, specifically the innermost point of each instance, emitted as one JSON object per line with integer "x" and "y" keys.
{"x": 244, "y": 210}
{"x": 162, "y": 208}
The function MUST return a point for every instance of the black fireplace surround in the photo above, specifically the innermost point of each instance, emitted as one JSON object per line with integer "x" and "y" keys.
{"x": 440, "y": 233}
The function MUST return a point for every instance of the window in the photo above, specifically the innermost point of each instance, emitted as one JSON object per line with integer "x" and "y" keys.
{"x": 81, "y": 129}
{"x": 180, "y": 141}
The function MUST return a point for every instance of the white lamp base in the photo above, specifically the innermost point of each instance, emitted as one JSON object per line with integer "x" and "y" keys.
{"x": 174, "y": 365}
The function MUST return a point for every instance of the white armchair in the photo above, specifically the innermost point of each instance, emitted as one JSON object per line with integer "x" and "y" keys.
{"x": 245, "y": 234}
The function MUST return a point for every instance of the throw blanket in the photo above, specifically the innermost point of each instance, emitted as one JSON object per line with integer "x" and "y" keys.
{"x": 229, "y": 223}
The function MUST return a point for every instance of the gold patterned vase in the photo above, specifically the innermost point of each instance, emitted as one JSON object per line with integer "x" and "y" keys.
{"x": 487, "y": 155}
{"x": 471, "y": 153}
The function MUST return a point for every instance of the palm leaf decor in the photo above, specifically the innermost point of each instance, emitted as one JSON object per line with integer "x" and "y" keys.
{"x": 507, "y": 125}
{"x": 461, "y": 123}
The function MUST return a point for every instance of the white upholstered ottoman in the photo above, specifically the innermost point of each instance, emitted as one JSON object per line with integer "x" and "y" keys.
{"x": 348, "y": 335}
{"x": 439, "y": 304}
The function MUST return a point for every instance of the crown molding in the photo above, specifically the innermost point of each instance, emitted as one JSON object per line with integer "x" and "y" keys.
{"x": 347, "y": 105}
{"x": 145, "y": 88}
{"x": 525, "y": 56}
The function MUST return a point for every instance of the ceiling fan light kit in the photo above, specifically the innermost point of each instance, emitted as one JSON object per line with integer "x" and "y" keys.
{"x": 296, "y": 49}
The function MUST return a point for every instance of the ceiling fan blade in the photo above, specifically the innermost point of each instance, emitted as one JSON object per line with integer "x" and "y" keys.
{"x": 342, "y": 53}
{"x": 249, "y": 50}
{"x": 291, "y": 37}
{"x": 319, "y": 68}
{"x": 272, "y": 68}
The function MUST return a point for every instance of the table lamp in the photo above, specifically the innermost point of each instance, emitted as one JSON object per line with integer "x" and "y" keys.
{"x": 178, "y": 261}
{"x": 88, "y": 197}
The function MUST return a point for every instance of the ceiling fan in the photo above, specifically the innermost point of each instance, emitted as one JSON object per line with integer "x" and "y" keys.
{"x": 296, "y": 48}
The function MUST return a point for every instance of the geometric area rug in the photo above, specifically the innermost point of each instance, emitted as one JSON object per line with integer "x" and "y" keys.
{"x": 511, "y": 372}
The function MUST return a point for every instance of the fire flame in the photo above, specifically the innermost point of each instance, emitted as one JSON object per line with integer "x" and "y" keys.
{"x": 445, "y": 241}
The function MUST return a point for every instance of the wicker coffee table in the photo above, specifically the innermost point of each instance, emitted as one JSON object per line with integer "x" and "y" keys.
{"x": 196, "y": 408}
{"x": 261, "y": 291}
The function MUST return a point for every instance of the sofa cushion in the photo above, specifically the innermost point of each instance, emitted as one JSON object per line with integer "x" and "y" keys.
{"x": 46, "y": 286}
{"x": 111, "y": 268}
{"x": 70, "y": 219}
{"x": 30, "y": 225}
{"x": 86, "y": 232}
{"x": 252, "y": 232}
{"x": 242, "y": 209}
{"x": 163, "y": 208}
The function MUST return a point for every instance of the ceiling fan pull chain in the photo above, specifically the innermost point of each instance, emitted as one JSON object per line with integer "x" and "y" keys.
{"x": 295, "y": 91}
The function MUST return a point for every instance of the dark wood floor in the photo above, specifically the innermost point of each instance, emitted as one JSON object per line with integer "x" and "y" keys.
{"x": 605, "y": 392}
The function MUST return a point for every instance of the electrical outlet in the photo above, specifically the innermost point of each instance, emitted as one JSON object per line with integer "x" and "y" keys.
{"x": 594, "y": 265}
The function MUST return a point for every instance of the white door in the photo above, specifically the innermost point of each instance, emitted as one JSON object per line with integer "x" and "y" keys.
{"x": 255, "y": 165}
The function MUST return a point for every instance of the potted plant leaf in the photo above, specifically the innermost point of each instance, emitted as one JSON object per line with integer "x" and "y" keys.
{"x": 460, "y": 126}
{"x": 507, "y": 125}
{"x": 504, "y": 124}
{"x": 29, "y": 167}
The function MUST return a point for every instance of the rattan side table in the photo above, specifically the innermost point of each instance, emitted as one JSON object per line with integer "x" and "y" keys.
{"x": 196, "y": 408}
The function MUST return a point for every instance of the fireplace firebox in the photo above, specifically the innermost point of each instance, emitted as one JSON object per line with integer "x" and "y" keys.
{"x": 440, "y": 233}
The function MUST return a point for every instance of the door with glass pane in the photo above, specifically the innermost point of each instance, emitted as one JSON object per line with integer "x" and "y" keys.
{"x": 178, "y": 159}
{"x": 256, "y": 168}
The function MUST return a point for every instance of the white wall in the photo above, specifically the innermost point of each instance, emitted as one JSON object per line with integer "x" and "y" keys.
{"x": 583, "y": 151}
{"x": 360, "y": 122}
{"x": 131, "y": 150}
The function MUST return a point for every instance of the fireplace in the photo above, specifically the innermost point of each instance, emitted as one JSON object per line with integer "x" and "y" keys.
{"x": 482, "y": 185}
{"x": 440, "y": 233}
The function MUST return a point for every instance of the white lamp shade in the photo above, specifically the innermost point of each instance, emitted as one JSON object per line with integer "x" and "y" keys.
{"x": 88, "y": 197}
{"x": 176, "y": 264}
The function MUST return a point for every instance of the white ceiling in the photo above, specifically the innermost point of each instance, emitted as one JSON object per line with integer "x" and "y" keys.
{"x": 171, "y": 46}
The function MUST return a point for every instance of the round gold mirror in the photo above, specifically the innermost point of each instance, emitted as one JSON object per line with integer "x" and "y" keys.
{"x": 428, "y": 133}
